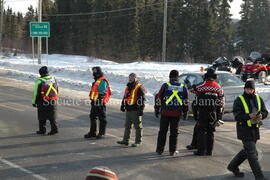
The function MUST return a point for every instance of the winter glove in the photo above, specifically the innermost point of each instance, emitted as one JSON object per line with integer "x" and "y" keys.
{"x": 188, "y": 84}
{"x": 218, "y": 123}
{"x": 122, "y": 108}
{"x": 34, "y": 105}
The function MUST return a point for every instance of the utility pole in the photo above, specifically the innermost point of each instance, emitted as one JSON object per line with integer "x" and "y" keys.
{"x": 39, "y": 38}
{"x": 164, "y": 31}
{"x": 1, "y": 23}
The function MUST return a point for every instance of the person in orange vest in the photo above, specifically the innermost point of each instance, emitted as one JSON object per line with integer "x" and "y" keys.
{"x": 133, "y": 105}
{"x": 44, "y": 97}
{"x": 99, "y": 95}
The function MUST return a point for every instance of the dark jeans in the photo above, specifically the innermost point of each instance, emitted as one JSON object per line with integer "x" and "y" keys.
{"x": 98, "y": 112}
{"x": 165, "y": 122}
{"x": 47, "y": 112}
{"x": 248, "y": 152}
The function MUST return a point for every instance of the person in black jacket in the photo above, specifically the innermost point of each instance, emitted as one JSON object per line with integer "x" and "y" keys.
{"x": 210, "y": 102}
{"x": 249, "y": 110}
{"x": 133, "y": 105}
{"x": 45, "y": 97}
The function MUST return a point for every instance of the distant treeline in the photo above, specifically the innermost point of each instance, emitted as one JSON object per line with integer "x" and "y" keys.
{"x": 129, "y": 30}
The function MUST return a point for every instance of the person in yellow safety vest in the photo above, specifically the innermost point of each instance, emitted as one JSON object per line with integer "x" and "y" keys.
{"x": 133, "y": 105}
{"x": 99, "y": 95}
{"x": 249, "y": 110}
{"x": 171, "y": 103}
{"x": 45, "y": 97}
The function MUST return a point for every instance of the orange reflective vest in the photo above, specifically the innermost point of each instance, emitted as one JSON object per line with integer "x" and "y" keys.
{"x": 94, "y": 93}
{"x": 132, "y": 98}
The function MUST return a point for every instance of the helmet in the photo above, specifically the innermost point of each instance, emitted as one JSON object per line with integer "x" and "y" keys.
{"x": 254, "y": 56}
{"x": 43, "y": 70}
{"x": 97, "y": 72}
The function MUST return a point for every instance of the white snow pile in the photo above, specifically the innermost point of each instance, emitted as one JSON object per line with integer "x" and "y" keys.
{"x": 75, "y": 72}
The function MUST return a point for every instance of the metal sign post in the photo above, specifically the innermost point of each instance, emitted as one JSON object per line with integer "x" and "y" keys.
{"x": 33, "y": 48}
{"x": 39, "y": 38}
{"x": 164, "y": 31}
{"x": 40, "y": 29}
{"x": 47, "y": 49}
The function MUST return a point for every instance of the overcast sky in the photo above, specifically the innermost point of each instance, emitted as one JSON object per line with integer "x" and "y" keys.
{"x": 22, "y": 5}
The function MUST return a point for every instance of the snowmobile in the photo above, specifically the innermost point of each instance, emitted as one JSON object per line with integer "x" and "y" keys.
{"x": 257, "y": 67}
{"x": 233, "y": 66}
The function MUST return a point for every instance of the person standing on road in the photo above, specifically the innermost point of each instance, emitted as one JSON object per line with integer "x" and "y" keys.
{"x": 171, "y": 103}
{"x": 133, "y": 104}
{"x": 99, "y": 95}
{"x": 249, "y": 110}
{"x": 45, "y": 97}
{"x": 210, "y": 102}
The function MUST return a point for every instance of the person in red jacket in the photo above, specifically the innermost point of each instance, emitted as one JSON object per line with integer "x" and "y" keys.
{"x": 210, "y": 103}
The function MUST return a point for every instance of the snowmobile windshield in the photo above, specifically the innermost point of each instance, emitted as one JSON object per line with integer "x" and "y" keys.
{"x": 254, "y": 56}
{"x": 221, "y": 61}
{"x": 237, "y": 61}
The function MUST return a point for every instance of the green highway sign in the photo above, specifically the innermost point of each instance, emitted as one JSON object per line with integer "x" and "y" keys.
{"x": 39, "y": 29}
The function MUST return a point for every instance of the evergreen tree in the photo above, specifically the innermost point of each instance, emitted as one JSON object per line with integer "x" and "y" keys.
{"x": 259, "y": 25}
{"x": 30, "y": 16}
{"x": 244, "y": 31}
{"x": 224, "y": 31}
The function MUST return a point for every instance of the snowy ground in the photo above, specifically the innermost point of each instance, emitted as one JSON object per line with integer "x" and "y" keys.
{"x": 75, "y": 71}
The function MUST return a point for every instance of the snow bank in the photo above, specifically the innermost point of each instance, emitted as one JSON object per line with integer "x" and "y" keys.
{"x": 75, "y": 71}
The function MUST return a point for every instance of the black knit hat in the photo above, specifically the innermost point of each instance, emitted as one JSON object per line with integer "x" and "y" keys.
{"x": 132, "y": 75}
{"x": 43, "y": 70}
{"x": 174, "y": 74}
{"x": 250, "y": 84}
{"x": 211, "y": 73}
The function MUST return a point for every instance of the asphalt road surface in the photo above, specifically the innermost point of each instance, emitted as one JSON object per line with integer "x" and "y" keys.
{"x": 67, "y": 155}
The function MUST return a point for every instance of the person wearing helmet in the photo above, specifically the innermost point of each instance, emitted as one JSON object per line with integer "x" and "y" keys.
{"x": 171, "y": 103}
{"x": 44, "y": 97}
{"x": 209, "y": 102}
{"x": 99, "y": 95}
